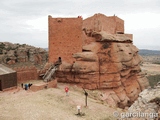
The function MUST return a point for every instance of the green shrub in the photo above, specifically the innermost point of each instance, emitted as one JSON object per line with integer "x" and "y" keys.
{"x": 157, "y": 62}
{"x": 1, "y": 51}
{"x": 2, "y": 45}
{"x": 105, "y": 45}
{"x": 153, "y": 80}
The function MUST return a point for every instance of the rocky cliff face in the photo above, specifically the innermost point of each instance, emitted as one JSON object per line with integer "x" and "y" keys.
{"x": 15, "y": 53}
{"x": 109, "y": 62}
{"x": 147, "y": 104}
{"x": 113, "y": 66}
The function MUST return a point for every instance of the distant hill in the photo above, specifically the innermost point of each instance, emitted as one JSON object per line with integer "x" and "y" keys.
{"x": 11, "y": 54}
{"x": 46, "y": 49}
{"x": 149, "y": 52}
{"x": 141, "y": 52}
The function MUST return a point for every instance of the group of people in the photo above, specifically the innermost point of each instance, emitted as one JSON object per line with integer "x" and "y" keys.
{"x": 26, "y": 86}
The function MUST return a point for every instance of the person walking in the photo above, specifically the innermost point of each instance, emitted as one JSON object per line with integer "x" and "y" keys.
{"x": 66, "y": 90}
{"x": 22, "y": 85}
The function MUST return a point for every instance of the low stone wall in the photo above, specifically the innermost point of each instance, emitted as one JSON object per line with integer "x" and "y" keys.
{"x": 43, "y": 85}
{"x": 26, "y": 73}
{"x": 11, "y": 88}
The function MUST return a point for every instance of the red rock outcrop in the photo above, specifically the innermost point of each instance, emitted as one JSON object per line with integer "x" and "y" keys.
{"x": 108, "y": 61}
{"x": 16, "y": 53}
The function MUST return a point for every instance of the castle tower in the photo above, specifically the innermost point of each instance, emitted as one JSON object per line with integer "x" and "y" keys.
{"x": 100, "y": 22}
{"x": 65, "y": 38}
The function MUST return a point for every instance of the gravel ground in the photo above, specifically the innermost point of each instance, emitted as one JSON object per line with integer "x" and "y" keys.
{"x": 51, "y": 104}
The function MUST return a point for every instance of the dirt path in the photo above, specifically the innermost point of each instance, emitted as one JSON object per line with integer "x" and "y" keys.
{"x": 51, "y": 104}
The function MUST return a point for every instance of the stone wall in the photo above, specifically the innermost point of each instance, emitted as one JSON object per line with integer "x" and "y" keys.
{"x": 44, "y": 85}
{"x": 119, "y": 25}
{"x": 99, "y": 22}
{"x": 65, "y": 38}
{"x": 26, "y": 73}
{"x": 8, "y": 79}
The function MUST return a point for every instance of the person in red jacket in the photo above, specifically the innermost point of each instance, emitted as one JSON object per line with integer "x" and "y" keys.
{"x": 66, "y": 90}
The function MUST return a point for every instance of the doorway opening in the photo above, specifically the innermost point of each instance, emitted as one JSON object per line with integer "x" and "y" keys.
{"x": 0, "y": 85}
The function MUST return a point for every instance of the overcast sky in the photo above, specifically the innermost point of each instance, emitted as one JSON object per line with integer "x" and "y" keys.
{"x": 26, "y": 21}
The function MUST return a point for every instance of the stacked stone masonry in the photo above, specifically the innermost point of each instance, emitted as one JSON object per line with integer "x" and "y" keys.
{"x": 65, "y": 38}
{"x": 26, "y": 73}
{"x": 99, "y": 22}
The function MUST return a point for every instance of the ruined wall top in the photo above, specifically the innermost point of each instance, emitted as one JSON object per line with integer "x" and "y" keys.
{"x": 100, "y": 22}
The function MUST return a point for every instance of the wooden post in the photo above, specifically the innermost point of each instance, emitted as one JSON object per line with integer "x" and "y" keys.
{"x": 86, "y": 94}
{"x": 86, "y": 100}
{"x": 79, "y": 110}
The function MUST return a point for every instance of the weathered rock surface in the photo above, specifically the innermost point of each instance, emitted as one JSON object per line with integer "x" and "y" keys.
{"x": 86, "y": 56}
{"x": 108, "y": 61}
{"x": 113, "y": 66}
{"x": 103, "y": 36}
{"x": 13, "y": 53}
{"x": 147, "y": 103}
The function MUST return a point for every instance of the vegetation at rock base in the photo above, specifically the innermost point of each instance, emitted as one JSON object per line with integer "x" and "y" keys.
{"x": 157, "y": 62}
{"x": 153, "y": 79}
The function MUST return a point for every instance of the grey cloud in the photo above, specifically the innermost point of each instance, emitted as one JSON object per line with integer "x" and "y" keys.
{"x": 15, "y": 13}
{"x": 147, "y": 38}
{"x": 42, "y": 7}
{"x": 33, "y": 8}
{"x": 36, "y": 37}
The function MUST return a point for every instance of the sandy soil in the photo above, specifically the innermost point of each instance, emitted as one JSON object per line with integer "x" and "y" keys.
{"x": 52, "y": 104}
{"x": 150, "y": 69}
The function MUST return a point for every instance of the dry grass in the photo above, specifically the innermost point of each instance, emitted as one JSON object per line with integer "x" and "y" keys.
{"x": 152, "y": 72}
{"x": 51, "y": 104}
{"x": 150, "y": 69}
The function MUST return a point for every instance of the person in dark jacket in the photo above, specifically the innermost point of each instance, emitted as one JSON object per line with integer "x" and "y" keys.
{"x": 22, "y": 85}
{"x": 26, "y": 86}
{"x": 58, "y": 62}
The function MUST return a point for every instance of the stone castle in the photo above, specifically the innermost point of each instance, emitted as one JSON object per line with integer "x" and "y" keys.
{"x": 97, "y": 54}
{"x": 67, "y": 34}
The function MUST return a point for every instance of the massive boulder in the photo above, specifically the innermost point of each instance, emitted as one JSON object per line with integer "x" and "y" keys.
{"x": 111, "y": 63}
